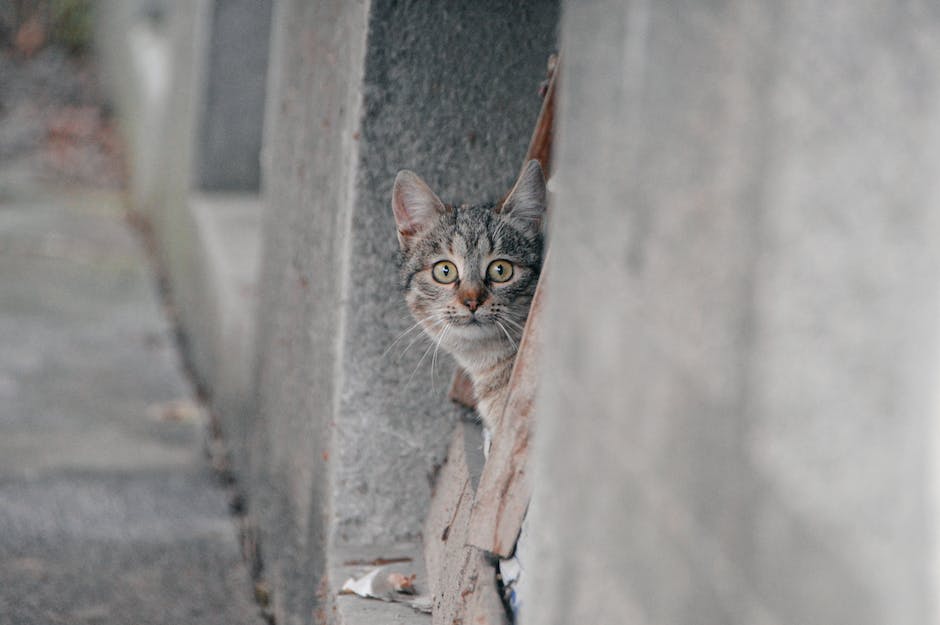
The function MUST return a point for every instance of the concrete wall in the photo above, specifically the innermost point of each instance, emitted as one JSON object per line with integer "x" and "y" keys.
{"x": 233, "y": 106}
{"x": 308, "y": 192}
{"x": 346, "y": 439}
{"x": 188, "y": 79}
{"x": 737, "y": 423}
{"x": 133, "y": 41}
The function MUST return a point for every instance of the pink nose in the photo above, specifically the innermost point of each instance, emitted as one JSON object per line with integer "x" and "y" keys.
{"x": 471, "y": 299}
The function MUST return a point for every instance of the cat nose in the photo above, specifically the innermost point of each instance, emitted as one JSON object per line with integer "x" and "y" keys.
{"x": 472, "y": 300}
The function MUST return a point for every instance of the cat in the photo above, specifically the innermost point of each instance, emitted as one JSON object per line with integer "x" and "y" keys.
{"x": 469, "y": 274}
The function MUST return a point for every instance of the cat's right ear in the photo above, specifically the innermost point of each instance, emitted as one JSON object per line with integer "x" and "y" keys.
{"x": 415, "y": 206}
{"x": 524, "y": 207}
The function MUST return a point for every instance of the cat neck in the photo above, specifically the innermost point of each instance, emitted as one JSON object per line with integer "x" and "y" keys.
{"x": 490, "y": 368}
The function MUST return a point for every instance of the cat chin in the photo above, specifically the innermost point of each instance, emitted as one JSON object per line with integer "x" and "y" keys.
{"x": 474, "y": 331}
{"x": 459, "y": 335}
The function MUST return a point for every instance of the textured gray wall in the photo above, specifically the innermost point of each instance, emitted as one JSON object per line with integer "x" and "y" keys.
{"x": 735, "y": 422}
{"x": 346, "y": 440}
{"x": 233, "y": 105}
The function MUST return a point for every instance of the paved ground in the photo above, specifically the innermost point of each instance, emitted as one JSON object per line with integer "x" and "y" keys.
{"x": 108, "y": 511}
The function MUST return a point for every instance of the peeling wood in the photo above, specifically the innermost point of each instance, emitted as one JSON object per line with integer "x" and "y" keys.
{"x": 462, "y": 581}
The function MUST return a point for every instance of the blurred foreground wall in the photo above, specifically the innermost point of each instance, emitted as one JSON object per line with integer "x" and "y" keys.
{"x": 737, "y": 412}
{"x": 738, "y": 415}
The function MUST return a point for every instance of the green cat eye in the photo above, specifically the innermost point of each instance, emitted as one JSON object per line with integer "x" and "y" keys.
{"x": 444, "y": 272}
{"x": 499, "y": 270}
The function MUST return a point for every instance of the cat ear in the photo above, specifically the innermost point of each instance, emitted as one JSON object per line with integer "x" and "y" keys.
{"x": 525, "y": 204}
{"x": 414, "y": 204}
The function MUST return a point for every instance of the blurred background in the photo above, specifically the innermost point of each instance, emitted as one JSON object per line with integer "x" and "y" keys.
{"x": 55, "y": 121}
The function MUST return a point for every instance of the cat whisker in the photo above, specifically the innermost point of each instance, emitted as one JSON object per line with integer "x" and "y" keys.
{"x": 520, "y": 320}
{"x": 423, "y": 356}
{"x": 513, "y": 323}
{"x": 434, "y": 355}
{"x": 435, "y": 318}
{"x": 506, "y": 332}
{"x": 416, "y": 338}
{"x": 400, "y": 337}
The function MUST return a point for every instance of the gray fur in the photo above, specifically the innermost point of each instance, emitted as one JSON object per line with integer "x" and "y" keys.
{"x": 483, "y": 342}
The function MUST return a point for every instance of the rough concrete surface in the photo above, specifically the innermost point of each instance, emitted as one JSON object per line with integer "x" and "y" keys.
{"x": 108, "y": 511}
{"x": 736, "y": 423}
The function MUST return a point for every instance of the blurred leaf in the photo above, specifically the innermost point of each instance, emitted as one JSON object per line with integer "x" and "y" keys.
{"x": 72, "y": 24}
{"x": 30, "y": 37}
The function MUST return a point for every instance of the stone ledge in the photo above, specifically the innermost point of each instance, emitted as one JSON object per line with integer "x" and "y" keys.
{"x": 220, "y": 318}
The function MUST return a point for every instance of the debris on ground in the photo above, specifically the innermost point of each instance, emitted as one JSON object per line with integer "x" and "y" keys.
{"x": 386, "y": 585}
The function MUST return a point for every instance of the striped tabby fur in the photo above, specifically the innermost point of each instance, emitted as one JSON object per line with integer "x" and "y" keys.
{"x": 475, "y": 318}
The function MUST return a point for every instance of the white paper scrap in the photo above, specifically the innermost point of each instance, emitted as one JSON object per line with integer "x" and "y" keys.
{"x": 364, "y": 586}
{"x": 371, "y": 586}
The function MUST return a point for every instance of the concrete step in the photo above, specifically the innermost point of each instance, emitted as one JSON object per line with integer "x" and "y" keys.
{"x": 108, "y": 510}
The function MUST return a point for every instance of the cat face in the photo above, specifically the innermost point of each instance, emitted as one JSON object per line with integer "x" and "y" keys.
{"x": 469, "y": 272}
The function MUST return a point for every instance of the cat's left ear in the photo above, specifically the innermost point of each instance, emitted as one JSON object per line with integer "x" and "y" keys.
{"x": 525, "y": 204}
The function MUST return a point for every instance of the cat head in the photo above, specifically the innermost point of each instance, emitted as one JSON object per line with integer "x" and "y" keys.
{"x": 469, "y": 272}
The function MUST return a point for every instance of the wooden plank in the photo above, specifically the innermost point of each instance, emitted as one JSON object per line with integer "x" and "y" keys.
{"x": 540, "y": 146}
{"x": 462, "y": 582}
{"x": 502, "y": 496}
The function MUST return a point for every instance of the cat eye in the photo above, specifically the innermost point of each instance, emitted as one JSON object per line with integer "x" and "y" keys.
{"x": 444, "y": 272}
{"x": 499, "y": 270}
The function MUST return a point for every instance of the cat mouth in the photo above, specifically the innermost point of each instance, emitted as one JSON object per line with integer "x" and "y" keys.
{"x": 470, "y": 321}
